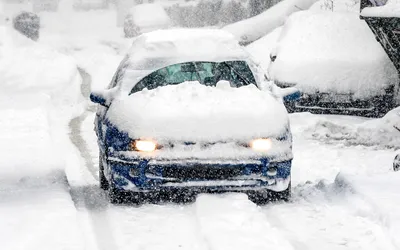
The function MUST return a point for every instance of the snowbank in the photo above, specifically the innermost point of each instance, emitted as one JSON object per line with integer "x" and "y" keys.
{"x": 390, "y": 9}
{"x": 39, "y": 90}
{"x": 378, "y": 132}
{"x": 251, "y": 29}
{"x": 332, "y": 52}
{"x": 37, "y": 85}
{"x": 194, "y": 112}
{"x": 379, "y": 193}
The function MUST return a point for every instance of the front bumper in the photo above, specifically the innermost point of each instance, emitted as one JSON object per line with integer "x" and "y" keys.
{"x": 146, "y": 175}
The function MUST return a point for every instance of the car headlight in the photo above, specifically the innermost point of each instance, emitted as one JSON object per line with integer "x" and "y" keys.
{"x": 261, "y": 145}
{"x": 144, "y": 145}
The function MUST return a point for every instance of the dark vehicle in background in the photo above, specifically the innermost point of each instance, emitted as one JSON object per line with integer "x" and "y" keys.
{"x": 28, "y": 24}
{"x": 381, "y": 17}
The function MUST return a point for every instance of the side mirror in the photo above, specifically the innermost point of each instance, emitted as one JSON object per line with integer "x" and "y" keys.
{"x": 99, "y": 98}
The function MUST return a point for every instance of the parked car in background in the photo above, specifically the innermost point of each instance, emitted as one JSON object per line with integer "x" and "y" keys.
{"x": 189, "y": 112}
{"x": 144, "y": 18}
{"x": 335, "y": 61}
{"x": 28, "y": 24}
{"x": 90, "y": 4}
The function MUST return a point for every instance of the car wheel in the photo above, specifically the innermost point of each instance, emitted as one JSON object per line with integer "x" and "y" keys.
{"x": 102, "y": 178}
{"x": 262, "y": 197}
{"x": 396, "y": 163}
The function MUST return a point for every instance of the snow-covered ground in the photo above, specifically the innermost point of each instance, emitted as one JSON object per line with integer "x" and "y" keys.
{"x": 49, "y": 194}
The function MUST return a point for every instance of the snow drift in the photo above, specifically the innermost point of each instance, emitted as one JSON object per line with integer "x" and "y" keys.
{"x": 251, "y": 29}
{"x": 379, "y": 133}
{"x": 34, "y": 81}
{"x": 332, "y": 52}
{"x": 390, "y": 9}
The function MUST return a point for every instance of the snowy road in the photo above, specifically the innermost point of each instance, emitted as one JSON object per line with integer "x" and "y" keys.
{"x": 323, "y": 214}
{"x": 49, "y": 193}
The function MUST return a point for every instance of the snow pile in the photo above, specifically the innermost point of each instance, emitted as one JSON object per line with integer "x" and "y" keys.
{"x": 150, "y": 16}
{"x": 390, "y": 9}
{"x": 332, "y": 52}
{"x": 191, "y": 111}
{"x": 35, "y": 81}
{"x": 378, "y": 132}
{"x": 262, "y": 48}
{"x": 251, "y": 29}
{"x": 379, "y": 195}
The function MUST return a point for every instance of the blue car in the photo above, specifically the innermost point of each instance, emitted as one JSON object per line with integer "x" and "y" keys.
{"x": 188, "y": 112}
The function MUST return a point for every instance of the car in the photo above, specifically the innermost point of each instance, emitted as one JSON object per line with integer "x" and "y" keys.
{"x": 144, "y": 18}
{"x": 188, "y": 112}
{"x": 28, "y": 24}
{"x": 334, "y": 60}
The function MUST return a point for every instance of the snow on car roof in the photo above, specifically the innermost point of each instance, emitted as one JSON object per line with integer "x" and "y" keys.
{"x": 332, "y": 52}
{"x": 158, "y": 49}
{"x": 390, "y": 9}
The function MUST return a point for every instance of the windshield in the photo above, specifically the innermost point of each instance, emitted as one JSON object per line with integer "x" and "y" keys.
{"x": 237, "y": 73}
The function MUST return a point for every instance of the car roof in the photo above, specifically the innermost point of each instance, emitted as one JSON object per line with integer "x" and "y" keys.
{"x": 158, "y": 49}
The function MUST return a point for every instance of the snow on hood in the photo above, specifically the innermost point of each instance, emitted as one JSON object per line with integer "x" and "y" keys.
{"x": 194, "y": 112}
{"x": 390, "y": 9}
{"x": 332, "y": 52}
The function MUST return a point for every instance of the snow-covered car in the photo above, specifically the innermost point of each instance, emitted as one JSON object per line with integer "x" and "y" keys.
{"x": 335, "y": 61}
{"x": 28, "y": 24}
{"x": 188, "y": 111}
{"x": 144, "y": 18}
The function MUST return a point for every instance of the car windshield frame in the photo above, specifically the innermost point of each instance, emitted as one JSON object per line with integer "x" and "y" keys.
{"x": 237, "y": 72}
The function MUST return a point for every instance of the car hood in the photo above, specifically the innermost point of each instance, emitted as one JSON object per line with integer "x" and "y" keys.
{"x": 194, "y": 112}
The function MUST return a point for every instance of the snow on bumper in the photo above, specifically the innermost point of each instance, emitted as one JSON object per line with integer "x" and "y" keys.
{"x": 146, "y": 175}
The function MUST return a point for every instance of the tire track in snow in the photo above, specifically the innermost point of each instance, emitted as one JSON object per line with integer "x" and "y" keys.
{"x": 231, "y": 221}
{"x": 90, "y": 201}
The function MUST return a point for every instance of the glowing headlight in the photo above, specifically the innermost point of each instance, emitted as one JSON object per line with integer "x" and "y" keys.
{"x": 261, "y": 145}
{"x": 144, "y": 145}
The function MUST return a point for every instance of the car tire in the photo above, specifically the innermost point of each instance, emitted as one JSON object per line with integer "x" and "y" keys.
{"x": 102, "y": 178}
{"x": 396, "y": 163}
{"x": 117, "y": 196}
{"x": 262, "y": 197}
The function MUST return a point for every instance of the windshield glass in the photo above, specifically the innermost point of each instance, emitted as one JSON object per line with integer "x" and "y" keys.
{"x": 237, "y": 73}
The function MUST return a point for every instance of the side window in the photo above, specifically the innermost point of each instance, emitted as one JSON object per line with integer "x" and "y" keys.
{"x": 119, "y": 74}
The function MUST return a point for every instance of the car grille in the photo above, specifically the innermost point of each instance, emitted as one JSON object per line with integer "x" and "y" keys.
{"x": 203, "y": 172}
